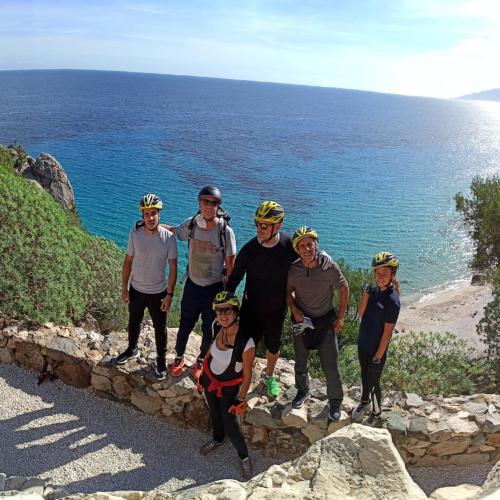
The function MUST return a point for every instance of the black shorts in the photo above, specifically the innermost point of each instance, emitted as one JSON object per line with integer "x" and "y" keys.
{"x": 267, "y": 326}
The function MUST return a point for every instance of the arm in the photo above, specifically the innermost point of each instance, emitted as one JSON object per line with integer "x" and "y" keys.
{"x": 362, "y": 304}
{"x": 238, "y": 271}
{"x": 126, "y": 271}
{"x": 172, "y": 229}
{"x": 297, "y": 314}
{"x": 172, "y": 278}
{"x": 338, "y": 324}
{"x": 229, "y": 264}
{"x": 384, "y": 341}
{"x": 248, "y": 357}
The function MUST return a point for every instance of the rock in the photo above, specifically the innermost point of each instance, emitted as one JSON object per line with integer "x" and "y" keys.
{"x": 33, "y": 485}
{"x": 477, "y": 279}
{"x": 100, "y": 383}
{"x": 413, "y": 400}
{"x": 461, "y": 427}
{"x": 398, "y": 421}
{"x": 422, "y": 425}
{"x": 29, "y": 356}
{"x": 470, "y": 458}
{"x": 335, "y": 426}
{"x": 492, "y": 483}
{"x": 182, "y": 386}
{"x": 146, "y": 403}
{"x": 15, "y": 483}
{"x": 318, "y": 414}
{"x": 313, "y": 432}
{"x": 294, "y": 417}
{"x": 228, "y": 489}
{"x": 3, "y": 479}
{"x": 451, "y": 447}
{"x": 442, "y": 432}
{"x": 6, "y": 355}
{"x": 90, "y": 324}
{"x": 493, "y": 440}
{"x": 47, "y": 171}
{"x": 261, "y": 415}
{"x": 492, "y": 423}
{"x": 462, "y": 492}
{"x": 476, "y": 408}
{"x": 75, "y": 375}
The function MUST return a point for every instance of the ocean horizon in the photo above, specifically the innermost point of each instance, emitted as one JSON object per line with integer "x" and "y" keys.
{"x": 368, "y": 171}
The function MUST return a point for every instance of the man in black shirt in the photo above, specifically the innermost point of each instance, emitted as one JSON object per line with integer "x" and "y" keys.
{"x": 265, "y": 260}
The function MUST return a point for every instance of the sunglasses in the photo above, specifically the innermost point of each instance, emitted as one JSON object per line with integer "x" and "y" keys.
{"x": 262, "y": 225}
{"x": 224, "y": 311}
{"x": 210, "y": 203}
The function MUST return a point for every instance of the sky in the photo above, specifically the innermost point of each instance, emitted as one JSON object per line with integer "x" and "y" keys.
{"x": 437, "y": 48}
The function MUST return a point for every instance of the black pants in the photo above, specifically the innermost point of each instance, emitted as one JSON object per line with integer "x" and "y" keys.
{"x": 138, "y": 303}
{"x": 370, "y": 379}
{"x": 223, "y": 422}
{"x": 196, "y": 300}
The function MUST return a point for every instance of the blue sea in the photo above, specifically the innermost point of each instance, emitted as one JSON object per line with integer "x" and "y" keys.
{"x": 368, "y": 171}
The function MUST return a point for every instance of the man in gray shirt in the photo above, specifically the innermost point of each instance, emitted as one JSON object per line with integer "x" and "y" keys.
{"x": 150, "y": 248}
{"x": 310, "y": 292}
{"x": 211, "y": 254}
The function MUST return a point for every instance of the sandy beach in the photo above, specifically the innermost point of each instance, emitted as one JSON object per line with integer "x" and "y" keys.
{"x": 456, "y": 310}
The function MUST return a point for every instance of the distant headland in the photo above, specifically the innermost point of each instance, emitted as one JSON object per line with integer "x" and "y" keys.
{"x": 485, "y": 95}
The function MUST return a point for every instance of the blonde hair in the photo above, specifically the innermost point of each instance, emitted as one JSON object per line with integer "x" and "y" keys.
{"x": 395, "y": 284}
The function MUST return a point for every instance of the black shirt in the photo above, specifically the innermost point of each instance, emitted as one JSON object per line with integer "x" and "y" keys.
{"x": 266, "y": 270}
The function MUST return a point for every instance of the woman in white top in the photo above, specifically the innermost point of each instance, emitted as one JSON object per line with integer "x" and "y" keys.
{"x": 225, "y": 379}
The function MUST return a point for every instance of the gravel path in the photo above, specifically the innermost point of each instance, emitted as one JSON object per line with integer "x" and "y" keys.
{"x": 92, "y": 444}
{"x": 70, "y": 436}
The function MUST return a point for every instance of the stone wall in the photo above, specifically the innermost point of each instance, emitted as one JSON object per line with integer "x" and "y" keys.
{"x": 427, "y": 432}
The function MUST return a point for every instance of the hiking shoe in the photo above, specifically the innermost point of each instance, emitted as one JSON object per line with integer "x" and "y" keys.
{"x": 177, "y": 366}
{"x": 334, "y": 414}
{"x": 273, "y": 389}
{"x": 160, "y": 369}
{"x": 122, "y": 358}
{"x": 210, "y": 446}
{"x": 246, "y": 468}
{"x": 373, "y": 420}
{"x": 359, "y": 412}
{"x": 197, "y": 367}
{"x": 299, "y": 400}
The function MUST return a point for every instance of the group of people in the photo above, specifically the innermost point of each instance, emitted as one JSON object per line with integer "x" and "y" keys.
{"x": 280, "y": 272}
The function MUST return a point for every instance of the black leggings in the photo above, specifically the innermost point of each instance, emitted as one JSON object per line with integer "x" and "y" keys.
{"x": 138, "y": 303}
{"x": 370, "y": 379}
{"x": 223, "y": 422}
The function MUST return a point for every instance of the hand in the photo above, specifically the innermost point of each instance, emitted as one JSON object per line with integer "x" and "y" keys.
{"x": 325, "y": 261}
{"x": 199, "y": 388}
{"x": 166, "y": 303}
{"x": 298, "y": 316}
{"x": 238, "y": 408}
{"x": 376, "y": 360}
{"x": 125, "y": 296}
{"x": 338, "y": 325}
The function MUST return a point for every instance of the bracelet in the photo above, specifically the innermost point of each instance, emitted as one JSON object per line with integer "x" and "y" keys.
{"x": 169, "y": 294}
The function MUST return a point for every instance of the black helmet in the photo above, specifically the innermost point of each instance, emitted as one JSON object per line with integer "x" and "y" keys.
{"x": 211, "y": 191}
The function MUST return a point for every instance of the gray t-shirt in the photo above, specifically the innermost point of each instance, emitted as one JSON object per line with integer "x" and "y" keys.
{"x": 150, "y": 253}
{"x": 206, "y": 261}
{"x": 314, "y": 288}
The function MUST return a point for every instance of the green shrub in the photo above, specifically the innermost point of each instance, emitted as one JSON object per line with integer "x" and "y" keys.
{"x": 50, "y": 268}
{"x": 430, "y": 363}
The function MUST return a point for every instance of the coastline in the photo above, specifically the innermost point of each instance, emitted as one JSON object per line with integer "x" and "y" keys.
{"x": 457, "y": 310}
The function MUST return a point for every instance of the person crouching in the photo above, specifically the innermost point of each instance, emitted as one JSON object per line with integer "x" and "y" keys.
{"x": 225, "y": 379}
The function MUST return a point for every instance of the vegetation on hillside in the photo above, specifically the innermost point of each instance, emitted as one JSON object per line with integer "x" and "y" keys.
{"x": 481, "y": 215}
{"x": 51, "y": 269}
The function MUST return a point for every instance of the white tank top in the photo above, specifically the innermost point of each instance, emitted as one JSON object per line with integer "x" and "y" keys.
{"x": 221, "y": 359}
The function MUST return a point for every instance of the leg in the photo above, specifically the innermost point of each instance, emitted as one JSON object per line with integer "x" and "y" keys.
{"x": 329, "y": 357}
{"x": 376, "y": 391}
{"x": 364, "y": 363}
{"x": 272, "y": 338}
{"x": 208, "y": 317}
{"x": 301, "y": 365}
{"x": 159, "y": 319}
{"x": 231, "y": 425}
{"x": 189, "y": 316}
{"x": 136, "y": 313}
{"x": 216, "y": 416}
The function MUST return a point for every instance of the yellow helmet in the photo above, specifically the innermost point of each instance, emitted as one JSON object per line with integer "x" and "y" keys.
{"x": 150, "y": 200}
{"x": 301, "y": 233}
{"x": 385, "y": 259}
{"x": 225, "y": 298}
{"x": 270, "y": 211}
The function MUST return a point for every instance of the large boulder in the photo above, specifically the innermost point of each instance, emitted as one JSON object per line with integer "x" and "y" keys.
{"x": 354, "y": 462}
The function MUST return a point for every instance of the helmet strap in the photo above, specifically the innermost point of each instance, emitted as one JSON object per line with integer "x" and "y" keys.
{"x": 273, "y": 235}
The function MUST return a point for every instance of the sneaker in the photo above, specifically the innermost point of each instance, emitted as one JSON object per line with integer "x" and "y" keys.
{"x": 299, "y": 400}
{"x": 197, "y": 367}
{"x": 373, "y": 420}
{"x": 122, "y": 358}
{"x": 160, "y": 370}
{"x": 210, "y": 446}
{"x": 273, "y": 388}
{"x": 177, "y": 366}
{"x": 359, "y": 412}
{"x": 334, "y": 414}
{"x": 246, "y": 468}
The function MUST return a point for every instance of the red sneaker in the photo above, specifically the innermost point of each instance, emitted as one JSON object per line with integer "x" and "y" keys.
{"x": 197, "y": 368}
{"x": 177, "y": 366}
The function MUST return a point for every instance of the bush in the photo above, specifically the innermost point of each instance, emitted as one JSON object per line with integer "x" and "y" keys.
{"x": 430, "y": 363}
{"x": 50, "y": 268}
